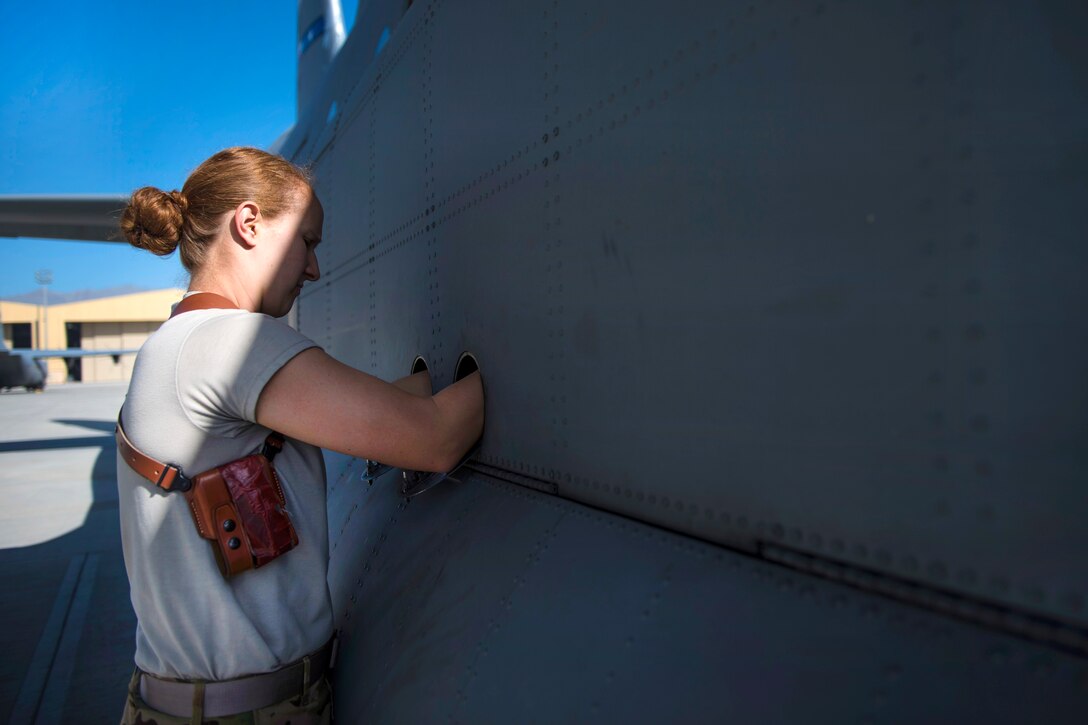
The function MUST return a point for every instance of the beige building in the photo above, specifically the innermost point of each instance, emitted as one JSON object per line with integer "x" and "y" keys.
{"x": 121, "y": 322}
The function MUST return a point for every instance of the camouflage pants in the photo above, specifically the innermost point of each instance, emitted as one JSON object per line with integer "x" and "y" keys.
{"x": 312, "y": 708}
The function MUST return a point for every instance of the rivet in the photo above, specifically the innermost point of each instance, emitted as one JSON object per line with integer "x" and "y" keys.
{"x": 228, "y": 525}
{"x": 234, "y": 543}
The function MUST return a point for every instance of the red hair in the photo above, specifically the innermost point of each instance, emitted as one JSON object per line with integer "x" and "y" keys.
{"x": 190, "y": 219}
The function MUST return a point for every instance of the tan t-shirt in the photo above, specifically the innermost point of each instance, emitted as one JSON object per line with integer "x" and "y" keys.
{"x": 192, "y": 402}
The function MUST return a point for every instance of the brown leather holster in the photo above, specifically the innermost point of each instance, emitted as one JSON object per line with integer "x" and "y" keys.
{"x": 239, "y": 506}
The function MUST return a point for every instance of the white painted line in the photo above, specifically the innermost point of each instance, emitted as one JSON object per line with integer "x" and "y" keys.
{"x": 34, "y": 682}
{"x": 60, "y": 674}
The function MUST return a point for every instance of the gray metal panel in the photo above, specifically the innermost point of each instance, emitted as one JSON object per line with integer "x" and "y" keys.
{"x": 809, "y": 264}
{"x": 484, "y": 98}
{"x": 813, "y": 281}
{"x": 828, "y": 260}
{"x": 482, "y": 600}
{"x": 93, "y": 218}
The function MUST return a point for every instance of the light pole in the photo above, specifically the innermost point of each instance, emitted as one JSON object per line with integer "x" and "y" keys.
{"x": 44, "y": 277}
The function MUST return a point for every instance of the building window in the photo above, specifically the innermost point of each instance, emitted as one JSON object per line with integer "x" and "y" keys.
{"x": 74, "y": 333}
{"x": 21, "y": 337}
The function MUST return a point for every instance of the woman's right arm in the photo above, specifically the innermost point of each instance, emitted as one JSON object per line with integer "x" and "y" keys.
{"x": 418, "y": 384}
{"x": 316, "y": 399}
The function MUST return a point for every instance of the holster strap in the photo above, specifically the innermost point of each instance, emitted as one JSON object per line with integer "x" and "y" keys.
{"x": 164, "y": 475}
{"x": 243, "y": 694}
{"x": 203, "y": 301}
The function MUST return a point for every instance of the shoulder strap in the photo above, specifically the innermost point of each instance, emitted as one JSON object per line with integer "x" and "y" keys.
{"x": 203, "y": 301}
{"x": 166, "y": 476}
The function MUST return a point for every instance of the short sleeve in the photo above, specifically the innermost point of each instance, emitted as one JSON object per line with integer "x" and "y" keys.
{"x": 224, "y": 364}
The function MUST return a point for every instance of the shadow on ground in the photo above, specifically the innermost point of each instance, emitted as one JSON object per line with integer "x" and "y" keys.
{"x": 69, "y": 633}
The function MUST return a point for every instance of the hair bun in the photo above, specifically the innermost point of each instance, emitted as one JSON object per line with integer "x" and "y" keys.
{"x": 153, "y": 219}
{"x": 179, "y": 201}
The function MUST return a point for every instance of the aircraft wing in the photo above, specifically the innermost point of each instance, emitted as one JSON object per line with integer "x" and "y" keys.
{"x": 90, "y": 217}
{"x": 76, "y": 352}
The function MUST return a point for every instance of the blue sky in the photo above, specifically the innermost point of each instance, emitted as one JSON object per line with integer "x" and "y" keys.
{"x": 108, "y": 96}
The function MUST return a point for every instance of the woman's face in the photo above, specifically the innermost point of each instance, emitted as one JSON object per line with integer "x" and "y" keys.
{"x": 291, "y": 240}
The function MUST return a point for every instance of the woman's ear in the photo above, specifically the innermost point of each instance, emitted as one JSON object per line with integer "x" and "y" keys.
{"x": 244, "y": 223}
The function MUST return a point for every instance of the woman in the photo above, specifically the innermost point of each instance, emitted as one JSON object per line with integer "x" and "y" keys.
{"x": 207, "y": 388}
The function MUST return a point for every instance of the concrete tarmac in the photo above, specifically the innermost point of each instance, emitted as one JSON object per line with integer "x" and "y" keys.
{"x": 69, "y": 631}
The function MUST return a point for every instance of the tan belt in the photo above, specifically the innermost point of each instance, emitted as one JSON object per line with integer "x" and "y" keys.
{"x": 243, "y": 694}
